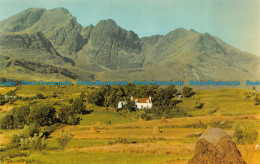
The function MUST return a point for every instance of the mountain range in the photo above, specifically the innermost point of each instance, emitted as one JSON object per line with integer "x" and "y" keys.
{"x": 38, "y": 44}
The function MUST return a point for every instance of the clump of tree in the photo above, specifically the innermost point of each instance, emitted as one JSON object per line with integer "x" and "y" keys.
{"x": 187, "y": 92}
{"x": 157, "y": 112}
{"x": 244, "y": 133}
{"x": 163, "y": 96}
{"x": 68, "y": 115}
{"x": 109, "y": 96}
{"x": 43, "y": 115}
{"x": 20, "y": 116}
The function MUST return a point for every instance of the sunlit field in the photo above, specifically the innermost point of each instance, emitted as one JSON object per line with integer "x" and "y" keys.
{"x": 122, "y": 138}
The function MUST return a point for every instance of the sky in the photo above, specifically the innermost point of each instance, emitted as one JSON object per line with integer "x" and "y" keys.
{"x": 237, "y": 22}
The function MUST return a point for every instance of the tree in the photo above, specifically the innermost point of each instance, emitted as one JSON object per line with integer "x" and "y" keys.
{"x": 7, "y": 122}
{"x": 64, "y": 138}
{"x": 130, "y": 106}
{"x": 96, "y": 98}
{"x": 187, "y": 91}
{"x": 20, "y": 116}
{"x": 43, "y": 115}
{"x": 67, "y": 115}
{"x": 78, "y": 106}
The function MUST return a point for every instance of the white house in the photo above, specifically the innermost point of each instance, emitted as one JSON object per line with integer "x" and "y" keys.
{"x": 142, "y": 103}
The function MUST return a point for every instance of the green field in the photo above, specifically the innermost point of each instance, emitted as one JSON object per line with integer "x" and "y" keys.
{"x": 104, "y": 117}
{"x": 175, "y": 144}
{"x": 99, "y": 157}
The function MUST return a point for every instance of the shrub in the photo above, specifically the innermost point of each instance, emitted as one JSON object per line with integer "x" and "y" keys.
{"x": 193, "y": 135}
{"x": 47, "y": 130}
{"x": 25, "y": 98}
{"x": 257, "y": 99}
{"x": 64, "y": 138}
{"x": 199, "y": 105}
{"x": 10, "y": 93}
{"x": 121, "y": 141}
{"x": 37, "y": 142}
{"x": 12, "y": 153}
{"x": 70, "y": 100}
{"x": 196, "y": 125}
{"x": 27, "y": 132}
{"x": 244, "y": 133}
{"x": 39, "y": 96}
{"x": 6, "y": 122}
{"x": 222, "y": 124}
{"x": 187, "y": 91}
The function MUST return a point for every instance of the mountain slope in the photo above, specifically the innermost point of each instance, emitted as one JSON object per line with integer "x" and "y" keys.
{"x": 53, "y": 39}
{"x": 31, "y": 53}
{"x": 58, "y": 26}
{"x": 111, "y": 47}
{"x": 198, "y": 56}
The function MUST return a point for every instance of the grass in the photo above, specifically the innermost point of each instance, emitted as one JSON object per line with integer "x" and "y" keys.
{"x": 104, "y": 117}
{"x": 223, "y": 108}
{"x": 100, "y": 157}
{"x": 78, "y": 143}
{"x": 220, "y": 102}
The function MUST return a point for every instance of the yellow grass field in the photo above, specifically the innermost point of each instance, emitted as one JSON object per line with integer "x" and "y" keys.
{"x": 128, "y": 140}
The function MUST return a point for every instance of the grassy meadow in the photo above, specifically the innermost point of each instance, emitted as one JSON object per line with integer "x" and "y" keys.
{"x": 123, "y": 138}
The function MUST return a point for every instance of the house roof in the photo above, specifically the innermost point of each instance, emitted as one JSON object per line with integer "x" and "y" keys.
{"x": 142, "y": 100}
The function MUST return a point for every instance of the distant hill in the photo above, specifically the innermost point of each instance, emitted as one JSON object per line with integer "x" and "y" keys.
{"x": 51, "y": 43}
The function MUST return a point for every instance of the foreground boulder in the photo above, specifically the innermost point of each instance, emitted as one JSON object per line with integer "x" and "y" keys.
{"x": 216, "y": 147}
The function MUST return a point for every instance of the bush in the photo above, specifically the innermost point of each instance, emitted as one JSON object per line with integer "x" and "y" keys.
{"x": 37, "y": 142}
{"x": 257, "y": 99}
{"x": 12, "y": 153}
{"x": 187, "y": 91}
{"x": 47, "y": 130}
{"x": 244, "y": 133}
{"x": 222, "y": 124}
{"x": 10, "y": 93}
{"x": 27, "y": 132}
{"x": 64, "y": 138}
{"x": 39, "y": 96}
{"x": 121, "y": 141}
{"x": 196, "y": 125}
{"x": 6, "y": 122}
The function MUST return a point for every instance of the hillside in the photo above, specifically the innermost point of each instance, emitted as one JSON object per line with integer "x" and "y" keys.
{"x": 108, "y": 52}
